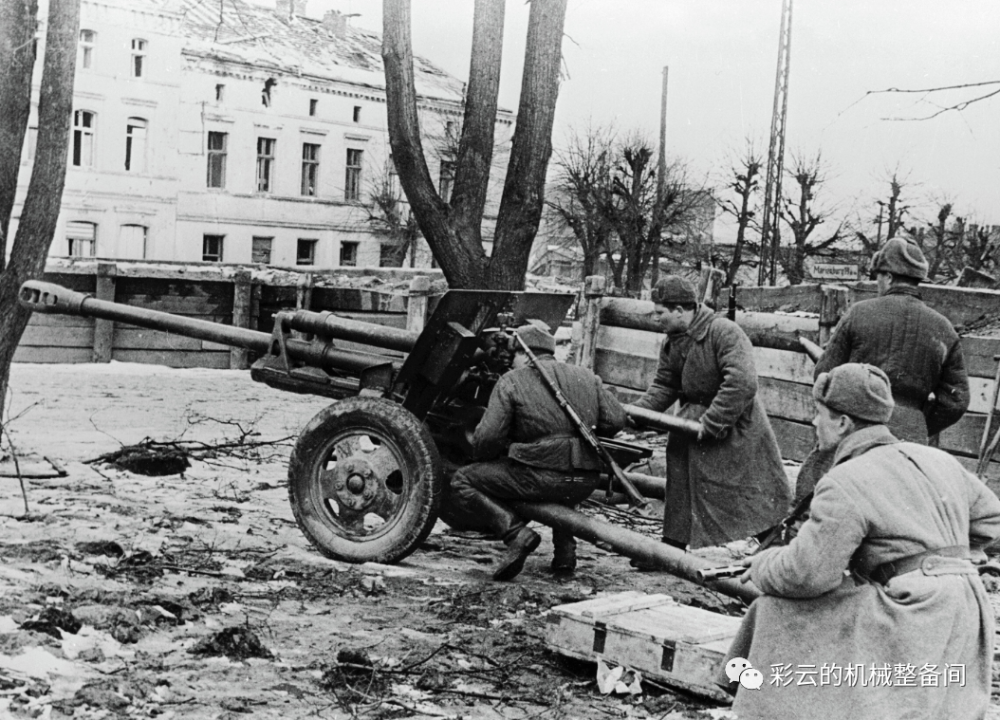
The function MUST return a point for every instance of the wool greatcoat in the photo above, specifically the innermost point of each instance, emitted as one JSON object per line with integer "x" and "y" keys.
{"x": 731, "y": 484}
{"x": 917, "y": 348}
{"x": 833, "y": 645}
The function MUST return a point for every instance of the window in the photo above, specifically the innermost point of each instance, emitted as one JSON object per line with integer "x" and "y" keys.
{"x": 87, "y": 38}
{"x": 305, "y": 253}
{"x": 261, "y": 250}
{"x": 217, "y": 159}
{"x": 138, "y": 57}
{"x": 135, "y": 145}
{"x": 357, "y": 113}
{"x": 132, "y": 242}
{"x": 310, "y": 168}
{"x": 220, "y": 92}
{"x": 83, "y": 138}
{"x": 81, "y": 238}
{"x": 211, "y": 248}
{"x": 352, "y": 182}
{"x": 313, "y": 104}
{"x": 447, "y": 179}
{"x": 348, "y": 254}
{"x": 265, "y": 94}
{"x": 265, "y": 163}
{"x": 30, "y": 141}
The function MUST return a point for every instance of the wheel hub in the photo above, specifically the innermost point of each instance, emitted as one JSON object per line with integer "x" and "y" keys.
{"x": 355, "y": 483}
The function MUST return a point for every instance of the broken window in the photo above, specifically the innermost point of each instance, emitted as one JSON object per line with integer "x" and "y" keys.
{"x": 265, "y": 94}
{"x": 135, "y": 145}
{"x": 138, "y": 57}
{"x": 265, "y": 163}
{"x": 357, "y": 113}
{"x": 352, "y": 180}
{"x": 220, "y": 92}
{"x": 313, "y": 104}
{"x": 211, "y": 248}
{"x": 348, "y": 254}
{"x": 87, "y": 38}
{"x": 132, "y": 242}
{"x": 305, "y": 253}
{"x": 310, "y": 169}
{"x": 83, "y": 138}
{"x": 217, "y": 159}
{"x": 260, "y": 251}
{"x": 81, "y": 238}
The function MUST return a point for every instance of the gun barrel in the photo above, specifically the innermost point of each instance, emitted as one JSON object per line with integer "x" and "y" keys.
{"x": 814, "y": 351}
{"x": 48, "y": 297}
{"x": 662, "y": 421}
{"x": 326, "y": 324}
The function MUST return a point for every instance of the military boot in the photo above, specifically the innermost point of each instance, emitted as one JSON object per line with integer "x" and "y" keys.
{"x": 564, "y": 553}
{"x": 520, "y": 545}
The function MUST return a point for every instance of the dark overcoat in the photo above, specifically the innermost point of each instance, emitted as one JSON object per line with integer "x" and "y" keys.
{"x": 834, "y": 645}
{"x": 732, "y": 484}
{"x": 917, "y": 348}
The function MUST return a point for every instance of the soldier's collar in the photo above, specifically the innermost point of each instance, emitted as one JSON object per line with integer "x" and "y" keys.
{"x": 862, "y": 441}
{"x": 700, "y": 323}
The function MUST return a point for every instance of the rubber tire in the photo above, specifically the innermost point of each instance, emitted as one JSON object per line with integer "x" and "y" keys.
{"x": 422, "y": 484}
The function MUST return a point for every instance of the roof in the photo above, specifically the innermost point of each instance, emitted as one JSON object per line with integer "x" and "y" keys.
{"x": 261, "y": 36}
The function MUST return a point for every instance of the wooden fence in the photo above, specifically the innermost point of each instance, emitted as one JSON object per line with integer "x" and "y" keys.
{"x": 620, "y": 339}
{"x": 236, "y": 298}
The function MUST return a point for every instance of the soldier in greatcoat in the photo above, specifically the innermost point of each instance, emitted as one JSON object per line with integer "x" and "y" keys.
{"x": 916, "y": 346}
{"x": 874, "y": 610}
{"x": 729, "y": 482}
{"x": 545, "y": 460}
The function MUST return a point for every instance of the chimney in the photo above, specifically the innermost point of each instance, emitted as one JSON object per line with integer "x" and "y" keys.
{"x": 290, "y": 8}
{"x": 335, "y": 22}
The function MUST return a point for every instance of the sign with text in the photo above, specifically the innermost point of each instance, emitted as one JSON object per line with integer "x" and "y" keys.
{"x": 834, "y": 271}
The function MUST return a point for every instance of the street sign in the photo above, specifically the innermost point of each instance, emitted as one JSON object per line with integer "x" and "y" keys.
{"x": 834, "y": 271}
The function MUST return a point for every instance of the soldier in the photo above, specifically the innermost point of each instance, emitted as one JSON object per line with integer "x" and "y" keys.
{"x": 877, "y": 578}
{"x": 546, "y": 459}
{"x": 729, "y": 482}
{"x": 916, "y": 347}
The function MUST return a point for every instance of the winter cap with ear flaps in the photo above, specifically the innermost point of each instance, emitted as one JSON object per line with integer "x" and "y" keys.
{"x": 537, "y": 339}
{"x": 858, "y": 390}
{"x": 901, "y": 257}
{"x": 674, "y": 290}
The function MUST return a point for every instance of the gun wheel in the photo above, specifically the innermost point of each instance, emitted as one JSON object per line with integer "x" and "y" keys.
{"x": 365, "y": 481}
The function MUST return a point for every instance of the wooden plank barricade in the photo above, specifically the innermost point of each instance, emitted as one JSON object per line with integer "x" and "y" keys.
{"x": 625, "y": 344}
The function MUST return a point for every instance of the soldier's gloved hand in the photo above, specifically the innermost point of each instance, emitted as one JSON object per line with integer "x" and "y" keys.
{"x": 745, "y": 577}
{"x": 703, "y": 434}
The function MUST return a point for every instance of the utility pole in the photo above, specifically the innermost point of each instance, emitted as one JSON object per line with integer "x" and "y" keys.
{"x": 770, "y": 237}
{"x": 661, "y": 172}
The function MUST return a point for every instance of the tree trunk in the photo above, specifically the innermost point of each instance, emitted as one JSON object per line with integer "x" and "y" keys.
{"x": 524, "y": 186}
{"x": 741, "y": 231}
{"x": 17, "y": 58}
{"x": 462, "y": 259}
{"x": 41, "y": 205}
{"x": 454, "y": 232}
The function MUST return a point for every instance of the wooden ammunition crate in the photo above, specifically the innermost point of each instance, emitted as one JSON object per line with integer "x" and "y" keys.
{"x": 675, "y": 644}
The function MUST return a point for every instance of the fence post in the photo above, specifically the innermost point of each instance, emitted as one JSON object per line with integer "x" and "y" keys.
{"x": 593, "y": 294}
{"x": 104, "y": 330}
{"x": 239, "y": 358}
{"x": 833, "y": 304}
{"x": 417, "y": 302}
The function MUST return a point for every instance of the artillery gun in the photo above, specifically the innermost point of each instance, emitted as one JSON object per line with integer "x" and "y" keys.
{"x": 368, "y": 474}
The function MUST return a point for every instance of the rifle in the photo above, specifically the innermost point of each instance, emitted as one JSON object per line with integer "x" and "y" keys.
{"x": 636, "y": 500}
{"x": 782, "y": 534}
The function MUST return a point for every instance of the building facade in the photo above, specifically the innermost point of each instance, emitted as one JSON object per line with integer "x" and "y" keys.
{"x": 256, "y": 135}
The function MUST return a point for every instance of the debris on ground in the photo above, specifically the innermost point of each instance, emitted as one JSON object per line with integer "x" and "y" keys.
{"x": 236, "y": 643}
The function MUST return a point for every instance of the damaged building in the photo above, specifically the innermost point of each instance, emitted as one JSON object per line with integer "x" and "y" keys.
{"x": 239, "y": 133}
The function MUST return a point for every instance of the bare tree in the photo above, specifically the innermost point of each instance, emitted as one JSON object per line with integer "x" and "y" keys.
{"x": 453, "y": 229}
{"x": 981, "y": 246}
{"x": 41, "y": 204}
{"x": 646, "y": 215}
{"x": 582, "y": 191}
{"x": 743, "y": 179}
{"x": 891, "y": 214}
{"x": 804, "y": 215}
{"x": 389, "y": 217}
